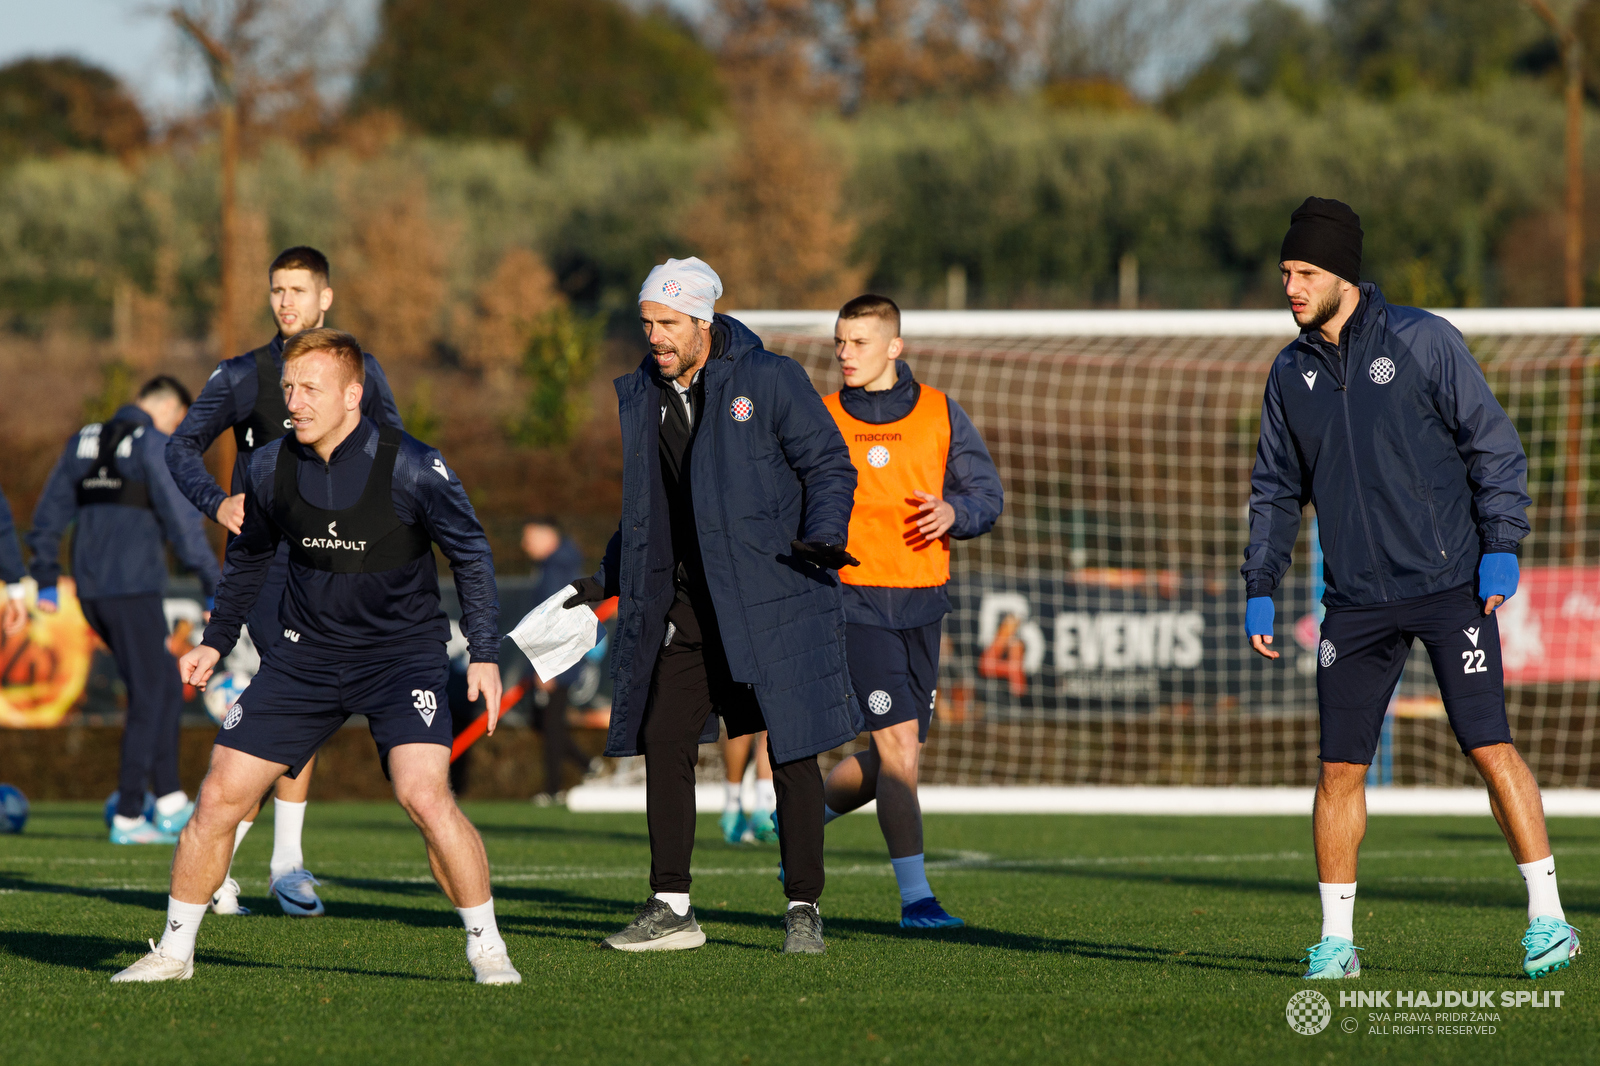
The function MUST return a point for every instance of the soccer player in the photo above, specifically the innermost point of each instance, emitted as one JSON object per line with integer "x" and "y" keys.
{"x": 759, "y": 823}
{"x": 924, "y": 478}
{"x": 735, "y": 509}
{"x": 1379, "y": 416}
{"x": 242, "y": 395}
{"x": 364, "y": 633}
{"x": 112, "y": 481}
{"x": 14, "y": 615}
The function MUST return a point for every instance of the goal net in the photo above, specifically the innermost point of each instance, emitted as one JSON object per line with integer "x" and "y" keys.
{"x": 1097, "y": 633}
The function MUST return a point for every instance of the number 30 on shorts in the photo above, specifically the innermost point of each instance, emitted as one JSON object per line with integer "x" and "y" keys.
{"x": 1472, "y": 662}
{"x": 424, "y": 699}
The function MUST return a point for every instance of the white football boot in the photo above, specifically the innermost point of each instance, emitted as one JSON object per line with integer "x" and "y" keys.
{"x": 295, "y": 894}
{"x": 492, "y": 966}
{"x": 226, "y": 899}
{"x": 156, "y": 966}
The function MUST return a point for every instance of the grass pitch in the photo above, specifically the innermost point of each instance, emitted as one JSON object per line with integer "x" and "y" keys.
{"x": 1089, "y": 939}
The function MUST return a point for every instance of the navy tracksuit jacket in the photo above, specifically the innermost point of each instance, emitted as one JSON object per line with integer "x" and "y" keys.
{"x": 1395, "y": 436}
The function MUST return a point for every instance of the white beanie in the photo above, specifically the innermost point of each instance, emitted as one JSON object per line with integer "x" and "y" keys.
{"x": 686, "y": 285}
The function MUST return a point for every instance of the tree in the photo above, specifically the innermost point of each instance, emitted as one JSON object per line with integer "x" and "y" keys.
{"x": 517, "y": 68}
{"x": 64, "y": 105}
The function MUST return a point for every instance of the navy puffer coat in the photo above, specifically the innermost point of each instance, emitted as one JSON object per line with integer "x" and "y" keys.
{"x": 768, "y": 466}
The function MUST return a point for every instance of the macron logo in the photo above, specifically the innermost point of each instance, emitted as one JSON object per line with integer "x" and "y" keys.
{"x": 290, "y": 634}
{"x": 331, "y": 531}
{"x": 1472, "y": 635}
{"x": 1311, "y": 379}
{"x": 439, "y": 467}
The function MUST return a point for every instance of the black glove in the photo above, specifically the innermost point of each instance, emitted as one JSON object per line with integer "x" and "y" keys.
{"x": 586, "y": 591}
{"x": 827, "y": 556}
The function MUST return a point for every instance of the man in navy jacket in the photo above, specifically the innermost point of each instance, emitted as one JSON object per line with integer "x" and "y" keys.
{"x": 112, "y": 481}
{"x": 242, "y": 396}
{"x": 1380, "y": 417}
{"x": 364, "y": 633}
{"x": 736, "y": 495}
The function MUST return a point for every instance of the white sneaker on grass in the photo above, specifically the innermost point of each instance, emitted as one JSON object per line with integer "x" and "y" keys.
{"x": 295, "y": 895}
{"x": 492, "y": 966}
{"x": 156, "y": 966}
{"x": 226, "y": 899}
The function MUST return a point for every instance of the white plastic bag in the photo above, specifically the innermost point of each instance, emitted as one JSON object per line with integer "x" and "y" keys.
{"x": 553, "y": 637}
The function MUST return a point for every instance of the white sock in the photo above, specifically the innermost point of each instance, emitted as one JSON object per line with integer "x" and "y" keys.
{"x": 127, "y": 823}
{"x": 482, "y": 932}
{"x": 1543, "y": 899}
{"x": 730, "y": 797}
{"x": 238, "y": 838}
{"x": 183, "y": 924}
{"x": 766, "y": 795}
{"x": 678, "y": 901}
{"x": 913, "y": 879}
{"x": 171, "y": 803}
{"x": 1338, "y": 909}
{"x": 287, "y": 821}
{"x": 793, "y": 903}
{"x": 829, "y": 814}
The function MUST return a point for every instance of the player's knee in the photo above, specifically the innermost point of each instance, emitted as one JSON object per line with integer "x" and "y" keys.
{"x": 1341, "y": 778}
{"x": 426, "y": 804}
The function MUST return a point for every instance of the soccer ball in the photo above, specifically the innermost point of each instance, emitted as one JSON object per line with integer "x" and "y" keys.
{"x": 222, "y": 692}
{"x": 149, "y": 811}
{"x": 13, "y": 809}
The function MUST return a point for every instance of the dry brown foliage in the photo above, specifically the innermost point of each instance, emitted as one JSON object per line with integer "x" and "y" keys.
{"x": 495, "y": 331}
{"x": 390, "y": 287}
{"x": 771, "y": 222}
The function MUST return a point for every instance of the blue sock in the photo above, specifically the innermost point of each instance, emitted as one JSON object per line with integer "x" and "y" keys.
{"x": 912, "y": 878}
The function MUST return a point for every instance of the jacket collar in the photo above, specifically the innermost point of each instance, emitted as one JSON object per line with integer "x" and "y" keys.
{"x": 132, "y": 412}
{"x": 888, "y": 405}
{"x": 356, "y": 443}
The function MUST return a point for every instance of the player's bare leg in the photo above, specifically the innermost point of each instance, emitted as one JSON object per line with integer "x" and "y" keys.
{"x": 1339, "y": 820}
{"x": 421, "y": 776}
{"x": 205, "y": 848}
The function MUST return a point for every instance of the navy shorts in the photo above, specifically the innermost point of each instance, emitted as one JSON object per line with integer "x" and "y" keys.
{"x": 300, "y": 699}
{"x": 1363, "y": 650}
{"x": 895, "y": 673}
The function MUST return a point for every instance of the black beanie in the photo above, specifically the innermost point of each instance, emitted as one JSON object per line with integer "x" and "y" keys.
{"x": 1325, "y": 233}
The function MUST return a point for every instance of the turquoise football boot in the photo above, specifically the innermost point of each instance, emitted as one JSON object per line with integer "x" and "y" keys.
{"x": 145, "y": 832}
{"x": 173, "y": 824}
{"x": 1552, "y": 945}
{"x": 1332, "y": 958}
{"x": 765, "y": 829}
{"x": 733, "y": 826}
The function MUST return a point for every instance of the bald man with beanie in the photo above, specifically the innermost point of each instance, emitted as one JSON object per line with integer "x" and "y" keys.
{"x": 737, "y": 490}
{"x": 1379, "y": 416}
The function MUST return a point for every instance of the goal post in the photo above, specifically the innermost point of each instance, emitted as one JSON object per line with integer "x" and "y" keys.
{"x": 1097, "y": 633}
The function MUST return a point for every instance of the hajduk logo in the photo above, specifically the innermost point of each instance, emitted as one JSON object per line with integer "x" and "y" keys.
{"x": 671, "y": 288}
{"x": 333, "y": 541}
{"x": 878, "y": 457}
{"x": 235, "y": 713}
{"x": 880, "y": 702}
{"x": 1326, "y": 653}
{"x": 1308, "y": 1012}
{"x": 1381, "y": 371}
{"x": 742, "y": 409}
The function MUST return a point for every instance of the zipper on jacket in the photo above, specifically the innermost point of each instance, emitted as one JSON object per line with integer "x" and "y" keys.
{"x": 1355, "y": 472}
{"x": 1433, "y": 520}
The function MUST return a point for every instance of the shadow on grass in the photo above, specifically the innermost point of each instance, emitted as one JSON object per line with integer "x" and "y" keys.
{"x": 131, "y": 897}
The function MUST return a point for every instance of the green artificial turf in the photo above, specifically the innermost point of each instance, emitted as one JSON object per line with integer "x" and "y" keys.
{"x": 1089, "y": 939}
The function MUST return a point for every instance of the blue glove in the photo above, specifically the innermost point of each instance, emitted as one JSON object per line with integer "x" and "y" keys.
{"x": 1497, "y": 575}
{"x": 50, "y": 596}
{"x": 1258, "y": 615}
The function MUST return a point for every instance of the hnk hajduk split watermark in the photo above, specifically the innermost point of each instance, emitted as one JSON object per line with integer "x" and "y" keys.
{"x": 1470, "y": 1012}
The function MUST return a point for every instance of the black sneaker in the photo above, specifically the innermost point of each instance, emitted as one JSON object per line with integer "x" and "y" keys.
{"x": 802, "y": 930}
{"x": 657, "y": 928}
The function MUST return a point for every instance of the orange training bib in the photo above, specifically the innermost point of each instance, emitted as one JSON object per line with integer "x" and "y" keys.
{"x": 892, "y": 462}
